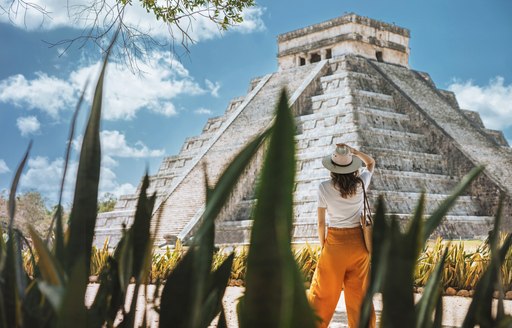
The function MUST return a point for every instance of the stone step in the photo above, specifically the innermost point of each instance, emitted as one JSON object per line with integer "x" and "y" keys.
{"x": 382, "y": 180}
{"x": 408, "y": 161}
{"x": 330, "y": 100}
{"x": 323, "y": 135}
{"x": 452, "y": 227}
{"x": 373, "y": 99}
{"x": 397, "y": 202}
{"x": 319, "y": 148}
{"x": 413, "y": 181}
{"x": 397, "y": 140}
{"x": 385, "y": 120}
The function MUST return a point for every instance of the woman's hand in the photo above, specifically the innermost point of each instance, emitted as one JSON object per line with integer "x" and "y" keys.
{"x": 352, "y": 150}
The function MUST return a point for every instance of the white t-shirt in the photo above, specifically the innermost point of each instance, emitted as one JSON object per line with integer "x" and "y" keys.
{"x": 343, "y": 212}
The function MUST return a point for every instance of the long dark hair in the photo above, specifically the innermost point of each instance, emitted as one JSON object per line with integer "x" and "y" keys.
{"x": 346, "y": 184}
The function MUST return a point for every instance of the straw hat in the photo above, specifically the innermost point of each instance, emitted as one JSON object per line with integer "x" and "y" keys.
{"x": 342, "y": 161}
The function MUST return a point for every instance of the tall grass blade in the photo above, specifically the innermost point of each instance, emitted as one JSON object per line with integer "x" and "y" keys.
{"x": 48, "y": 265}
{"x": 272, "y": 298}
{"x": 380, "y": 250}
{"x": 14, "y": 187}
{"x": 140, "y": 228}
{"x": 480, "y": 309}
{"x": 218, "y": 198}
{"x": 193, "y": 271}
{"x": 435, "y": 219}
{"x": 85, "y": 202}
{"x": 57, "y": 217}
{"x": 13, "y": 274}
{"x": 215, "y": 291}
{"x": 431, "y": 296}
{"x": 438, "y": 317}
{"x": 72, "y": 312}
{"x": 176, "y": 300}
{"x": 397, "y": 289}
{"x": 109, "y": 298}
{"x": 14, "y": 280}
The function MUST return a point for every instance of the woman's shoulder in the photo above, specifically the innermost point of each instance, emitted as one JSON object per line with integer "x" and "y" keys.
{"x": 324, "y": 184}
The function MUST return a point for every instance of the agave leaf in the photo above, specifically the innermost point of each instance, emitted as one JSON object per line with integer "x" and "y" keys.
{"x": 140, "y": 228}
{"x": 506, "y": 322}
{"x": 435, "y": 219}
{"x": 193, "y": 270}
{"x": 380, "y": 250}
{"x": 438, "y": 317}
{"x": 129, "y": 318}
{"x": 479, "y": 311}
{"x": 54, "y": 293}
{"x": 176, "y": 300}
{"x": 124, "y": 257}
{"x": 272, "y": 298}
{"x": 413, "y": 238}
{"x": 396, "y": 291}
{"x": 13, "y": 273}
{"x": 85, "y": 202}
{"x": 48, "y": 265}
{"x": 3, "y": 314}
{"x": 203, "y": 258}
{"x": 3, "y": 249}
{"x": 109, "y": 298}
{"x": 217, "y": 286}
{"x": 72, "y": 311}
{"x": 431, "y": 296}
{"x": 218, "y": 198}
{"x": 14, "y": 280}
{"x": 14, "y": 187}
{"x": 57, "y": 217}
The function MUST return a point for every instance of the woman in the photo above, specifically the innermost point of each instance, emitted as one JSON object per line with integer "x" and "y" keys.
{"x": 344, "y": 261}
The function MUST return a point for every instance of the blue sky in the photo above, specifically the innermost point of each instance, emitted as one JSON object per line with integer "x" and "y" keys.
{"x": 463, "y": 44}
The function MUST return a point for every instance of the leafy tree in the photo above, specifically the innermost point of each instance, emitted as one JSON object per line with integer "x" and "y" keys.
{"x": 105, "y": 17}
{"x": 107, "y": 203}
{"x": 30, "y": 209}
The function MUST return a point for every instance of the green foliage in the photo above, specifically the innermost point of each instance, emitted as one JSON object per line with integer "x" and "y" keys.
{"x": 222, "y": 12}
{"x": 50, "y": 292}
{"x": 394, "y": 259}
{"x": 274, "y": 295}
{"x": 107, "y": 203}
{"x": 30, "y": 208}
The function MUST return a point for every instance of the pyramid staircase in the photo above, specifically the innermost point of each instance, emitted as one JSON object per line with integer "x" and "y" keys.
{"x": 421, "y": 140}
{"x": 357, "y": 104}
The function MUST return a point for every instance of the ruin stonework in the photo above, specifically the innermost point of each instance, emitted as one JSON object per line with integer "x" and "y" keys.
{"x": 348, "y": 80}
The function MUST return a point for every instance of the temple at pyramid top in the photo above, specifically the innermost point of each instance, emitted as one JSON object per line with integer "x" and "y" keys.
{"x": 349, "y": 81}
{"x": 348, "y": 34}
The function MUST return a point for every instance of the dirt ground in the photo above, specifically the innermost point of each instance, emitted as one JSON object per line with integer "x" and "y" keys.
{"x": 454, "y": 307}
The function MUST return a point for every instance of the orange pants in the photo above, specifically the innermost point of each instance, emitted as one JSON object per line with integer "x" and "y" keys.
{"x": 344, "y": 264}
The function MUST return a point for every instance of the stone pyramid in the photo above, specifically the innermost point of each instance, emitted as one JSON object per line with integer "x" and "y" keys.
{"x": 348, "y": 80}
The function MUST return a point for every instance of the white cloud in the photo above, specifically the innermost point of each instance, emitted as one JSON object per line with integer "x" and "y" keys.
{"x": 46, "y": 93}
{"x": 252, "y": 20}
{"x": 44, "y": 176}
{"x": 203, "y": 111}
{"x": 67, "y": 14}
{"x": 124, "y": 189}
{"x": 213, "y": 87}
{"x": 163, "y": 80}
{"x": 114, "y": 144}
{"x": 28, "y": 125}
{"x": 3, "y": 167}
{"x": 492, "y": 101}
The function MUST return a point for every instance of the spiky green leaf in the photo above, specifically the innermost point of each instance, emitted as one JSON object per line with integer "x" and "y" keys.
{"x": 272, "y": 298}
